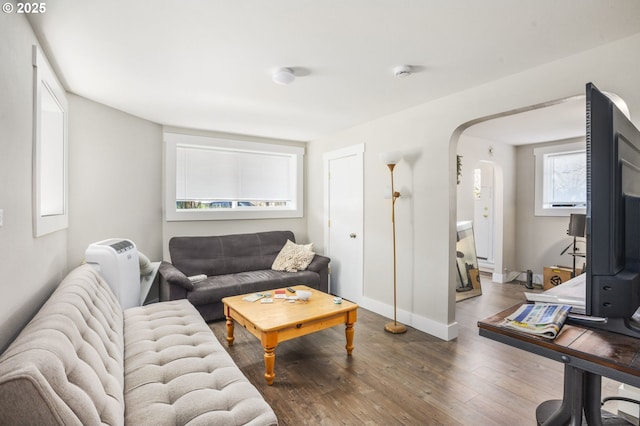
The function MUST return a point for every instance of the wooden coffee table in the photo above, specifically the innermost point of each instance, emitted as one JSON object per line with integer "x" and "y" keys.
{"x": 283, "y": 320}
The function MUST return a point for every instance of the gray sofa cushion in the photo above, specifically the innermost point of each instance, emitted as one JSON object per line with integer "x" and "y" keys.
{"x": 217, "y": 287}
{"x": 227, "y": 254}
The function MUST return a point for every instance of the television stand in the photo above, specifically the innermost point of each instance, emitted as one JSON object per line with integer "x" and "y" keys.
{"x": 581, "y": 389}
{"x": 588, "y": 354}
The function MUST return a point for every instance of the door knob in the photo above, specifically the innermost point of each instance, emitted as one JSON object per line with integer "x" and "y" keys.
{"x": 352, "y": 235}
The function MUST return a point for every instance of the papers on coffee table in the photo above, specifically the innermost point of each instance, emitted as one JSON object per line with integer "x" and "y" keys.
{"x": 255, "y": 296}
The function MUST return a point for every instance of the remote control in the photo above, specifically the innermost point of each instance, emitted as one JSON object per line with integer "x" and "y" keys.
{"x": 290, "y": 290}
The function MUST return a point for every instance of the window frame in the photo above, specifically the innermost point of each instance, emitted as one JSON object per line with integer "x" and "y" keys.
{"x": 173, "y": 140}
{"x": 50, "y": 169}
{"x": 539, "y": 154}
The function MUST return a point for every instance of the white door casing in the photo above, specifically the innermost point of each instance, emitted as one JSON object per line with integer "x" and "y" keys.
{"x": 344, "y": 239}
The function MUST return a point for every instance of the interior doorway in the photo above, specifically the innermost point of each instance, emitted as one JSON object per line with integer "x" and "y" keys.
{"x": 487, "y": 193}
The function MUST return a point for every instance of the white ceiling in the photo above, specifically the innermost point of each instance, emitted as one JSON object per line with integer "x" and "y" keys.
{"x": 207, "y": 64}
{"x": 562, "y": 120}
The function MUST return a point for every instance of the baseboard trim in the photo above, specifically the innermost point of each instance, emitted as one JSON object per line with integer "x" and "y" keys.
{"x": 442, "y": 331}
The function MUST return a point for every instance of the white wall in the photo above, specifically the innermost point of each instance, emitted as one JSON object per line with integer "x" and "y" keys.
{"x": 115, "y": 179}
{"x": 540, "y": 239}
{"x": 429, "y": 133}
{"x": 30, "y": 267}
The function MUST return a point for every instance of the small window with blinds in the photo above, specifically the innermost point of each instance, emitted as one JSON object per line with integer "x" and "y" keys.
{"x": 209, "y": 179}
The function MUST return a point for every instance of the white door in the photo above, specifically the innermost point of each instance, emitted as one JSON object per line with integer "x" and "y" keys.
{"x": 483, "y": 215}
{"x": 344, "y": 241}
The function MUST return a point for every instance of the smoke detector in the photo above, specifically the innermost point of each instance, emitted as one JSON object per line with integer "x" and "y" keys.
{"x": 402, "y": 71}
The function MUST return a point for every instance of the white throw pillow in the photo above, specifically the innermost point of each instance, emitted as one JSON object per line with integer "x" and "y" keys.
{"x": 293, "y": 257}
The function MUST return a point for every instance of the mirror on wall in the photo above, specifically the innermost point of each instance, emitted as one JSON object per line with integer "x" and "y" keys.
{"x": 50, "y": 186}
{"x": 468, "y": 277}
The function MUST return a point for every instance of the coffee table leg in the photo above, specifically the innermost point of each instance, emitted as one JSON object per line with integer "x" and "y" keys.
{"x": 269, "y": 343}
{"x": 230, "y": 337}
{"x": 269, "y": 365}
{"x": 349, "y": 333}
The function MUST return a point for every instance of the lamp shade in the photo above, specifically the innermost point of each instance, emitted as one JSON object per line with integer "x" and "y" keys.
{"x": 577, "y": 225}
{"x": 391, "y": 157}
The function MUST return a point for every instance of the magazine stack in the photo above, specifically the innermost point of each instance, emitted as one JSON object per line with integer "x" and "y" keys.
{"x": 540, "y": 319}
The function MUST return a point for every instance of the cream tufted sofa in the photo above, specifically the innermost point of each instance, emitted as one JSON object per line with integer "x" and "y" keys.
{"x": 83, "y": 361}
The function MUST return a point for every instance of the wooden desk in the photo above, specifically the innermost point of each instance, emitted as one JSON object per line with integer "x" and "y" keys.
{"x": 587, "y": 355}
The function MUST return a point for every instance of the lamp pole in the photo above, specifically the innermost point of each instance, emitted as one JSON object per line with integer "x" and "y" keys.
{"x": 394, "y": 327}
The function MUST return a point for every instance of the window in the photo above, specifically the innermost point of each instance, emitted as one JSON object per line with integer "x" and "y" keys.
{"x": 213, "y": 179}
{"x": 561, "y": 179}
{"x": 50, "y": 177}
{"x": 477, "y": 183}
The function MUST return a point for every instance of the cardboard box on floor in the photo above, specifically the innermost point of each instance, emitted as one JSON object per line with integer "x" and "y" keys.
{"x": 556, "y": 275}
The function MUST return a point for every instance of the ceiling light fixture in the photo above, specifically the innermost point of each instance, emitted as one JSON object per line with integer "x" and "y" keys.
{"x": 402, "y": 71}
{"x": 283, "y": 76}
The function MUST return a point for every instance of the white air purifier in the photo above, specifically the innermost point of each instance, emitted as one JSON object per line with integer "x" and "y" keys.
{"x": 117, "y": 262}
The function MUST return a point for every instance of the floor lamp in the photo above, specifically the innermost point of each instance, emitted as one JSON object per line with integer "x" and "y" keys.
{"x": 391, "y": 159}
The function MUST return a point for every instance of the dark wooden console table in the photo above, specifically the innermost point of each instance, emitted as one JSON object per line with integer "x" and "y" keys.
{"x": 587, "y": 354}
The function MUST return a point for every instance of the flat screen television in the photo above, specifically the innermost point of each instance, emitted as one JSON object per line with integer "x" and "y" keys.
{"x": 613, "y": 216}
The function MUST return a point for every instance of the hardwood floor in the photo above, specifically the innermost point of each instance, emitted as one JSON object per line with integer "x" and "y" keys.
{"x": 408, "y": 379}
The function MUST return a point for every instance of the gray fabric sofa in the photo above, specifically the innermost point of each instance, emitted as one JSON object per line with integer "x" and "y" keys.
{"x": 233, "y": 264}
{"x": 82, "y": 360}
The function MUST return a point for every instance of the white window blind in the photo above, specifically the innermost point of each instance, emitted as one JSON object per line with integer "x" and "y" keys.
{"x": 213, "y": 174}
{"x": 209, "y": 178}
{"x": 52, "y": 177}
{"x": 50, "y": 148}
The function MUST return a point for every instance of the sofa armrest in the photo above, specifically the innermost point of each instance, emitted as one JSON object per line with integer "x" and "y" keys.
{"x": 319, "y": 263}
{"x": 174, "y": 276}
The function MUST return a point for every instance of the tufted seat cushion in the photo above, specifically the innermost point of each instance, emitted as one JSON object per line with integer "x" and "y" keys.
{"x": 66, "y": 366}
{"x": 83, "y": 361}
{"x": 176, "y": 372}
